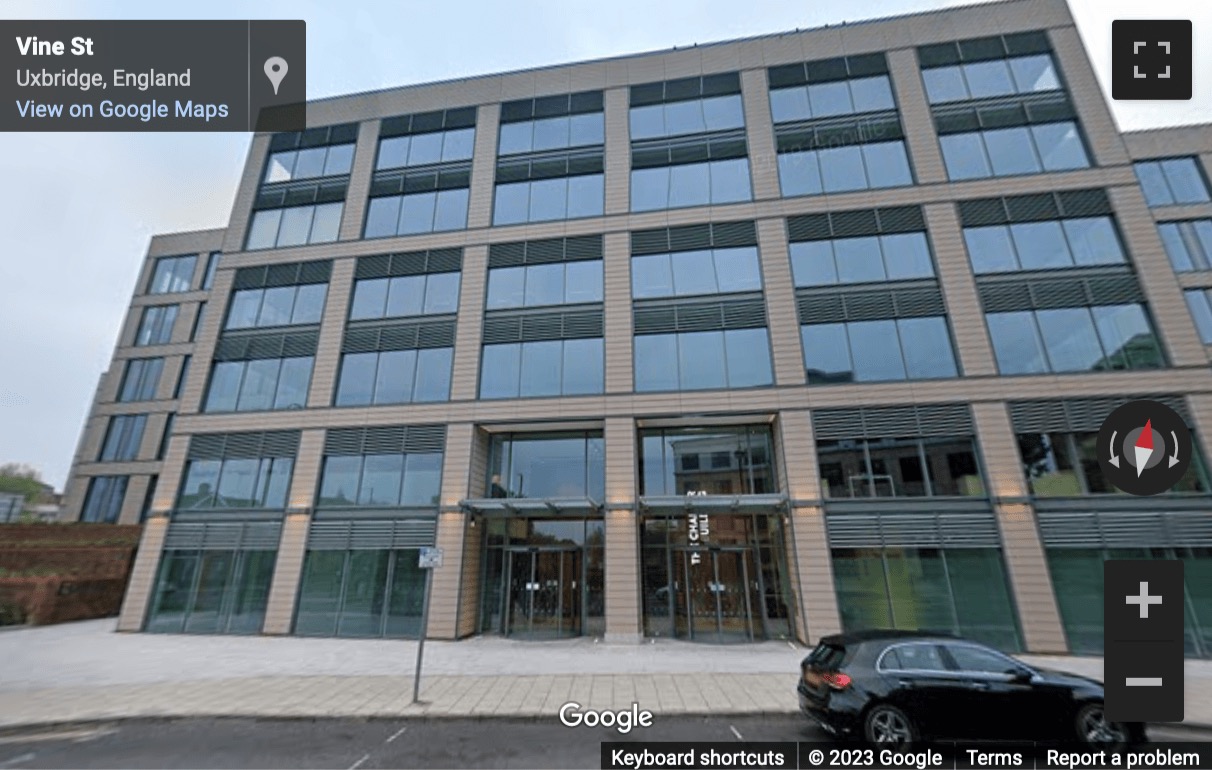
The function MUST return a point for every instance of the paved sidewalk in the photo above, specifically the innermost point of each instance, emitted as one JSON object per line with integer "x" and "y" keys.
{"x": 85, "y": 671}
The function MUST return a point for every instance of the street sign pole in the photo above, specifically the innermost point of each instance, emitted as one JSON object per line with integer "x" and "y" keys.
{"x": 416, "y": 677}
{"x": 429, "y": 559}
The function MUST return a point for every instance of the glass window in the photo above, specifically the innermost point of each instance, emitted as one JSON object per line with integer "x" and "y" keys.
{"x": 871, "y": 94}
{"x": 721, "y": 113}
{"x": 339, "y": 160}
{"x": 689, "y": 185}
{"x": 699, "y": 357}
{"x": 1040, "y": 245}
{"x": 990, "y": 249}
{"x": 651, "y": 276}
{"x": 441, "y": 293}
{"x": 1016, "y": 343}
{"x": 201, "y": 480}
{"x": 276, "y": 306}
{"x": 542, "y": 364}
{"x": 887, "y": 164}
{"x": 416, "y": 213}
{"x": 927, "y": 348}
{"x": 906, "y": 255}
{"x": 280, "y": 166}
{"x": 433, "y": 374}
{"x": 422, "y": 478}
{"x": 260, "y": 382}
{"x": 799, "y": 173}
{"x": 1060, "y": 146}
{"x": 587, "y": 129}
{"x": 737, "y": 269}
{"x": 156, "y": 326}
{"x": 394, "y": 377}
{"x": 263, "y": 231}
{"x": 451, "y": 211}
{"x": 730, "y": 180}
{"x": 647, "y": 122}
{"x": 356, "y": 385}
{"x": 1185, "y": 180}
{"x": 944, "y": 84}
{"x": 1200, "y": 305}
{"x": 988, "y": 78}
{"x": 812, "y": 263}
{"x": 671, "y": 464}
{"x": 339, "y": 482}
{"x": 172, "y": 274}
{"x": 787, "y": 104}
{"x": 964, "y": 155}
{"x": 224, "y": 386}
{"x": 1011, "y": 151}
{"x": 1093, "y": 240}
{"x": 1069, "y": 339}
{"x": 544, "y": 284}
{"x": 458, "y": 144}
{"x": 584, "y": 366}
{"x": 693, "y": 273}
{"x": 1127, "y": 337}
{"x": 830, "y": 99}
{"x": 656, "y": 362}
{"x": 583, "y": 281}
{"x": 842, "y": 169}
{"x": 551, "y": 133}
{"x": 310, "y": 163}
{"x": 1188, "y": 244}
{"x": 405, "y": 296}
{"x": 548, "y": 199}
{"x": 506, "y": 287}
{"x": 293, "y": 382}
{"x": 382, "y": 476}
{"x": 512, "y": 202}
{"x": 382, "y": 217}
{"x": 212, "y": 265}
{"x": 103, "y": 502}
{"x": 565, "y": 465}
{"x": 123, "y": 437}
{"x": 141, "y": 379}
{"x": 875, "y": 351}
{"x": 748, "y": 358}
{"x": 827, "y": 353}
{"x": 1034, "y": 73}
{"x": 296, "y": 226}
{"x": 586, "y": 195}
{"x": 500, "y": 371}
{"x": 858, "y": 259}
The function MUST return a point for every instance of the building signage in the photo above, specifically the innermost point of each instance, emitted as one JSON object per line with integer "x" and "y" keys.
{"x": 698, "y": 527}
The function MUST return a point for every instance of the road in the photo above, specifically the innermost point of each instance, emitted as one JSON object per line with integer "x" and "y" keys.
{"x": 355, "y": 744}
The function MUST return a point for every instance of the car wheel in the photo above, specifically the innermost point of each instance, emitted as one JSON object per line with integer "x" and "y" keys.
{"x": 887, "y": 724}
{"x": 1093, "y": 728}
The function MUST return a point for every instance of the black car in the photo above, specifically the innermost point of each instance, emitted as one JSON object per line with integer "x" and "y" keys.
{"x": 901, "y": 687}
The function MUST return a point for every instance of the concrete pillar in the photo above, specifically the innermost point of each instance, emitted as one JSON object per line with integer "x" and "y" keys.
{"x": 622, "y": 533}
{"x": 142, "y": 582}
{"x": 292, "y": 547}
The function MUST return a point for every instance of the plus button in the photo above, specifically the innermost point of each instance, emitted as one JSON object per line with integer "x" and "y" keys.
{"x": 1144, "y": 600}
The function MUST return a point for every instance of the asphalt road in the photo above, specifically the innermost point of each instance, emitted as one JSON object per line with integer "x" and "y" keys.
{"x": 355, "y": 744}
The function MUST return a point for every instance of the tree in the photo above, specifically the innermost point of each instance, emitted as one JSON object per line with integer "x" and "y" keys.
{"x": 21, "y": 479}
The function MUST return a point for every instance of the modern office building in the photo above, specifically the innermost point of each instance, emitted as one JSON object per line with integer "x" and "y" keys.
{"x": 750, "y": 340}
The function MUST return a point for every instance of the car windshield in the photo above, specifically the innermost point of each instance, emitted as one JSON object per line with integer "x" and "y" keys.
{"x": 827, "y": 656}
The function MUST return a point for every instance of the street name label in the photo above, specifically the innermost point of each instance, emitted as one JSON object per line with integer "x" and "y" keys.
{"x": 153, "y": 75}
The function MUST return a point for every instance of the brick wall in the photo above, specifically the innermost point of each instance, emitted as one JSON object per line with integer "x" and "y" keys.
{"x": 46, "y": 600}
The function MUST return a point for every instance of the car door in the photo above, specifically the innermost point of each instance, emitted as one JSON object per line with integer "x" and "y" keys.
{"x": 997, "y": 693}
{"x": 922, "y": 683}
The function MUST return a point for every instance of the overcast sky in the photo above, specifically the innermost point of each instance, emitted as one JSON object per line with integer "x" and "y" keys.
{"x": 77, "y": 210}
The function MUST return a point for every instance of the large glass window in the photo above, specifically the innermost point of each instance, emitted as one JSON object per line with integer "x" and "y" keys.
{"x": 156, "y": 326}
{"x": 123, "y": 437}
{"x": 310, "y": 163}
{"x": 295, "y": 226}
{"x": 1188, "y": 244}
{"x": 1172, "y": 182}
{"x": 690, "y": 184}
{"x": 236, "y": 483}
{"x": 554, "y": 133}
{"x": 692, "y": 116}
{"x": 394, "y": 377}
{"x": 411, "y": 479}
{"x": 833, "y": 168}
{"x": 544, "y": 200}
{"x": 900, "y": 467}
{"x": 686, "y": 273}
{"x": 733, "y": 358}
{"x": 407, "y": 295}
{"x": 140, "y": 380}
{"x": 892, "y": 257}
{"x": 103, "y": 502}
{"x": 1077, "y": 578}
{"x": 211, "y": 591}
{"x": 262, "y": 384}
{"x": 212, "y": 266}
{"x": 278, "y": 306}
{"x": 997, "y": 77}
{"x": 173, "y": 274}
{"x": 543, "y": 368}
{"x": 1074, "y": 339}
{"x": 554, "y": 283}
{"x": 963, "y": 591}
{"x": 361, "y": 593}
{"x": 1043, "y": 245}
{"x": 1014, "y": 150}
{"x": 870, "y": 351}
{"x": 548, "y": 465}
{"x": 430, "y": 211}
{"x": 823, "y": 100}
{"x": 1199, "y": 302}
{"x": 426, "y": 149}
{"x": 1066, "y": 465}
{"x": 718, "y": 460}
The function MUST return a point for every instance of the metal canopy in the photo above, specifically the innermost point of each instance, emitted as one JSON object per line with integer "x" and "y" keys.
{"x": 673, "y": 504}
{"x": 532, "y": 506}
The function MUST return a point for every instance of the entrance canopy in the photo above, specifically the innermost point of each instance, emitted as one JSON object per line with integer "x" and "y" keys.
{"x": 675, "y": 504}
{"x": 532, "y": 506}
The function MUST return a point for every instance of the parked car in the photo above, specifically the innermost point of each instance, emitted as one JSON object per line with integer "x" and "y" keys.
{"x": 898, "y": 687}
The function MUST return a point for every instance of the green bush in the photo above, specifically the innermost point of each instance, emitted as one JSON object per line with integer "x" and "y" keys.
{"x": 11, "y": 615}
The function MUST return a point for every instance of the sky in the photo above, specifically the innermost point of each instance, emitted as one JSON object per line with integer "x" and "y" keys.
{"x": 77, "y": 210}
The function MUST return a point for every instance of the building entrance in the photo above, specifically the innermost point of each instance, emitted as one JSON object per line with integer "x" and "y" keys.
{"x": 546, "y": 589}
{"x": 716, "y": 593}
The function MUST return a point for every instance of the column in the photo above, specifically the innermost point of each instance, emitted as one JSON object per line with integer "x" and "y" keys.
{"x": 622, "y": 534}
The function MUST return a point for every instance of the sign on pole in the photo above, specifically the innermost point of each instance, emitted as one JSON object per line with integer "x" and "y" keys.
{"x": 430, "y": 559}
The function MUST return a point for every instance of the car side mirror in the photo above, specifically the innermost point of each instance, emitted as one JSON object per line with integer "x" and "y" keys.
{"x": 1021, "y": 675}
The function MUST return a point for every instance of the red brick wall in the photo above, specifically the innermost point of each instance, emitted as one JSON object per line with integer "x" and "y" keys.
{"x": 46, "y": 600}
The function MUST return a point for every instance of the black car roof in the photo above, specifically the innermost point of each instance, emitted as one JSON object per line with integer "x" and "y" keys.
{"x": 879, "y": 634}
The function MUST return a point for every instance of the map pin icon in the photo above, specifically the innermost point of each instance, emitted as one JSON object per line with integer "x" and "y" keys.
{"x": 275, "y": 70}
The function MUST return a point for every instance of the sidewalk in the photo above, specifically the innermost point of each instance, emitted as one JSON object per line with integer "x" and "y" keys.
{"x": 84, "y": 671}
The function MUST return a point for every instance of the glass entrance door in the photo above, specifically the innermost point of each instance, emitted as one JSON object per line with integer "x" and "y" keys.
{"x": 717, "y": 594}
{"x": 545, "y": 590}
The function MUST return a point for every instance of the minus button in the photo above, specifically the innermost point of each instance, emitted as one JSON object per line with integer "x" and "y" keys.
{"x": 1143, "y": 681}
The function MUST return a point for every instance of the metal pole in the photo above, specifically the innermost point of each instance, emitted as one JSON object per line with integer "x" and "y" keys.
{"x": 416, "y": 677}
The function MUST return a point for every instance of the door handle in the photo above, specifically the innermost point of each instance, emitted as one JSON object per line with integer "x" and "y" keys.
{"x": 906, "y": 683}
{"x": 979, "y": 685}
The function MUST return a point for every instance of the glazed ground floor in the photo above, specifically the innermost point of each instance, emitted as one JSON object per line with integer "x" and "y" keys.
{"x": 705, "y": 573}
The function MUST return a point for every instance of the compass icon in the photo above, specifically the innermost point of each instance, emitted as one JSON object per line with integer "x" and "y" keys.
{"x": 1144, "y": 447}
